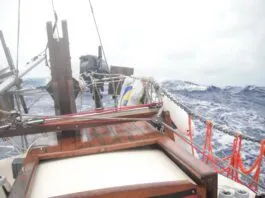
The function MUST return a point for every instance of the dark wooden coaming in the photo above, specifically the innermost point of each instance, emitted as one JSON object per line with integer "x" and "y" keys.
{"x": 139, "y": 191}
{"x": 199, "y": 172}
{"x": 168, "y": 132}
{"x": 194, "y": 168}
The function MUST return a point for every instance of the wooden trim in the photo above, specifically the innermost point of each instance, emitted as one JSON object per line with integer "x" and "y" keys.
{"x": 168, "y": 121}
{"x": 21, "y": 186}
{"x": 194, "y": 168}
{"x": 201, "y": 191}
{"x": 199, "y": 172}
{"x": 98, "y": 149}
{"x": 133, "y": 191}
{"x": 22, "y": 183}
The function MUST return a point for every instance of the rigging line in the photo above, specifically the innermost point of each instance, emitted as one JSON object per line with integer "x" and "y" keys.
{"x": 44, "y": 51}
{"x": 104, "y": 54}
{"x": 56, "y": 19}
{"x": 15, "y": 145}
{"x": 112, "y": 76}
{"x": 17, "y": 60}
{"x": 53, "y": 29}
{"x": 18, "y": 35}
{"x": 35, "y": 101}
{"x": 99, "y": 37}
{"x": 23, "y": 138}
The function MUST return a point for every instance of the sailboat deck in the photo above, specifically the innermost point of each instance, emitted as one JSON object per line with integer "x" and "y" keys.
{"x": 111, "y": 139}
{"x": 103, "y": 136}
{"x": 125, "y": 132}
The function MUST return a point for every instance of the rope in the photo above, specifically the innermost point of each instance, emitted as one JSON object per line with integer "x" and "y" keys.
{"x": 256, "y": 163}
{"x": 234, "y": 158}
{"x": 236, "y": 161}
{"x": 34, "y": 142}
{"x": 113, "y": 78}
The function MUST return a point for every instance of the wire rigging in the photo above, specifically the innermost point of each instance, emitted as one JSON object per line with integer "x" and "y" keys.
{"x": 55, "y": 26}
{"x": 103, "y": 50}
{"x": 23, "y": 138}
{"x": 99, "y": 37}
{"x": 55, "y": 21}
{"x": 18, "y": 34}
{"x": 44, "y": 51}
{"x": 17, "y": 58}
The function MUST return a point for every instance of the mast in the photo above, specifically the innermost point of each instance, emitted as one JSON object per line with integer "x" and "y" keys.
{"x": 61, "y": 72}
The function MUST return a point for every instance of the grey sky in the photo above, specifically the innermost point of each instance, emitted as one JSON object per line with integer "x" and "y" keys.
{"x": 208, "y": 42}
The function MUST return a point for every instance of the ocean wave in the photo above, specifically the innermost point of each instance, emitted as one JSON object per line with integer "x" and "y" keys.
{"x": 238, "y": 108}
{"x": 253, "y": 89}
{"x": 177, "y": 85}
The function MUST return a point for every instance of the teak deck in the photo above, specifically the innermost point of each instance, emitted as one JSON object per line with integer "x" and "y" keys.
{"x": 120, "y": 137}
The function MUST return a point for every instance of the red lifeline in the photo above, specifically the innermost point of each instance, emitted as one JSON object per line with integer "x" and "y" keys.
{"x": 190, "y": 135}
{"x": 236, "y": 162}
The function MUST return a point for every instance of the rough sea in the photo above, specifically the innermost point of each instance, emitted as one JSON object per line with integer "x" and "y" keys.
{"x": 240, "y": 108}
